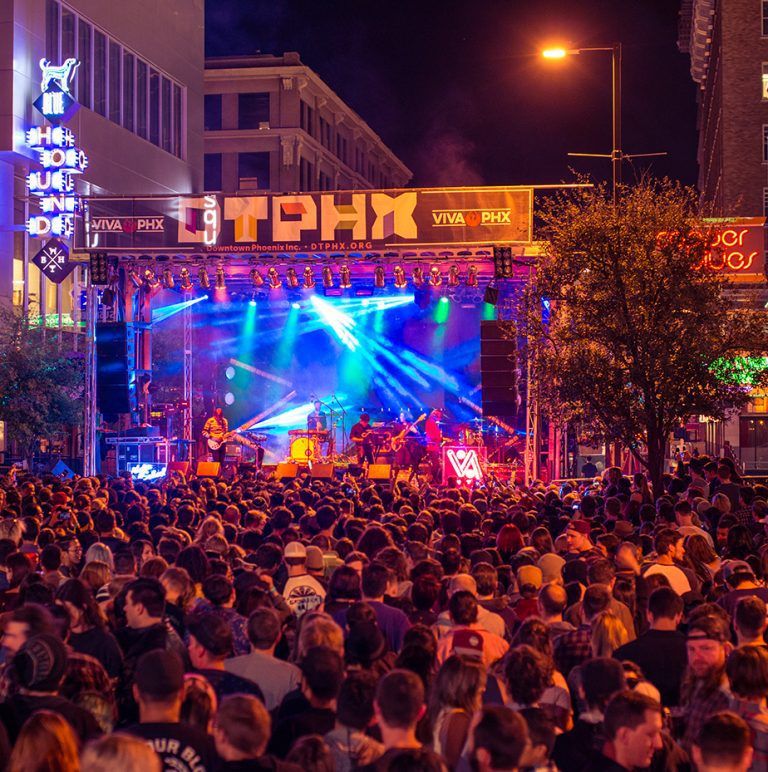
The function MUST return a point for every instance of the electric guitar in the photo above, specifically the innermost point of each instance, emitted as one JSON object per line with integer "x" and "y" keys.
{"x": 232, "y": 436}
{"x": 399, "y": 439}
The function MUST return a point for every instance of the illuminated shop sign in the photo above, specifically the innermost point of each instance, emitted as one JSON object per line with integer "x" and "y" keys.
{"x": 58, "y": 156}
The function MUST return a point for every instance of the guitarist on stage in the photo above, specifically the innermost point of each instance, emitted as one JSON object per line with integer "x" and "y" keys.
{"x": 216, "y": 428}
{"x": 360, "y": 434}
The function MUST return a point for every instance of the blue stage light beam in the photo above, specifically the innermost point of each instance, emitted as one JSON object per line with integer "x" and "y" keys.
{"x": 341, "y": 323}
{"x": 166, "y": 312}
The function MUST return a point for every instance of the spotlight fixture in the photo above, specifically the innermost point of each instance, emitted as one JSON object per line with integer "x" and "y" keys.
{"x": 418, "y": 276}
{"x": 257, "y": 280}
{"x": 491, "y": 295}
{"x": 203, "y": 278}
{"x": 327, "y": 277}
{"x": 345, "y": 280}
{"x": 150, "y": 280}
{"x": 435, "y": 277}
{"x": 221, "y": 279}
{"x": 503, "y": 263}
{"x": 134, "y": 277}
{"x": 472, "y": 276}
{"x": 400, "y": 281}
{"x": 275, "y": 282}
{"x": 186, "y": 284}
{"x": 292, "y": 278}
{"x": 453, "y": 276}
{"x": 379, "y": 277}
{"x": 309, "y": 279}
{"x": 168, "y": 278}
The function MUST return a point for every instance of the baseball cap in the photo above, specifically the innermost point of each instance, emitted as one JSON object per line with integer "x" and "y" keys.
{"x": 530, "y": 575}
{"x": 468, "y": 643}
{"x": 295, "y": 549}
{"x": 623, "y": 529}
{"x": 159, "y": 673}
{"x": 581, "y": 526}
{"x": 732, "y": 567}
{"x": 40, "y": 663}
{"x": 314, "y": 557}
{"x": 708, "y": 627}
{"x": 463, "y": 582}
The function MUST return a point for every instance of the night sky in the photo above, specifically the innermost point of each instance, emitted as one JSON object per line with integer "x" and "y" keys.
{"x": 456, "y": 90}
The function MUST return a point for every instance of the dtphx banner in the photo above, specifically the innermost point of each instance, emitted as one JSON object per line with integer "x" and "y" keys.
{"x": 305, "y": 222}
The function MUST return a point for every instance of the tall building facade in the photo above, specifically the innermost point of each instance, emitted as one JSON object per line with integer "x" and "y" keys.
{"x": 271, "y": 123}
{"x": 727, "y": 41}
{"x": 139, "y": 84}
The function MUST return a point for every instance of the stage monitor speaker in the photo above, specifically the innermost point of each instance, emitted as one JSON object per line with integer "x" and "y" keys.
{"x": 379, "y": 472}
{"x": 208, "y": 469}
{"x": 498, "y": 370}
{"x": 115, "y": 371}
{"x": 322, "y": 471}
{"x": 286, "y": 471}
{"x": 179, "y": 466}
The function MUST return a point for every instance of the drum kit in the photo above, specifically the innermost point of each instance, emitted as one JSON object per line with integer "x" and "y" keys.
{"x": 306, "y": 445}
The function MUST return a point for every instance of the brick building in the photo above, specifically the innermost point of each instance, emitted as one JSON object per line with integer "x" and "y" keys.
{"x": 727, "y": 41}
{"x": 271, "y": 123}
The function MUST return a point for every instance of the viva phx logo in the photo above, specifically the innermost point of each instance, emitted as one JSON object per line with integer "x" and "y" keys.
{"x": 471, "y": 218}
{"x": 465, "y": 465}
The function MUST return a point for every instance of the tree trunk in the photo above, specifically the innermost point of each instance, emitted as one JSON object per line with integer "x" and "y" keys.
{"x": 656, "y": 445}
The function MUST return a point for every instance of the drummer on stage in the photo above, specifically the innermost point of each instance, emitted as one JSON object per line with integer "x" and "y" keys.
{"x": 317, "y": 420}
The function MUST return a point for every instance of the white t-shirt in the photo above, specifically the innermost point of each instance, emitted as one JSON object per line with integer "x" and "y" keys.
{"x": 678, "y": 581}
{"x": 303, "y": 593}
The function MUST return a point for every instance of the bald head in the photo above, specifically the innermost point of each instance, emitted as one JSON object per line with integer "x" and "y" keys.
{"x": 552, "y": 600}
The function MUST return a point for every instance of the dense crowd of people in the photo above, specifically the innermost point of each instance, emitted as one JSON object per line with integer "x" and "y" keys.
{"x": 196, "y": 625}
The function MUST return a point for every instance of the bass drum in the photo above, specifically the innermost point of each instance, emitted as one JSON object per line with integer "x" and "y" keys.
{"x": 304, "y": 449}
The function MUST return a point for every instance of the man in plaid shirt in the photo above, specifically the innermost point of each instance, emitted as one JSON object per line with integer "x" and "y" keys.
{"x": 575, "y": 647}
{"x": 705, "y": 687}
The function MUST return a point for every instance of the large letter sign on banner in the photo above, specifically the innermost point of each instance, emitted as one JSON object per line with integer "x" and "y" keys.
{"x": 59, "y": 158}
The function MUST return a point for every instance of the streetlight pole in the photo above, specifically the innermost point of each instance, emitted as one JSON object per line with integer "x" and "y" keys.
{"x": 616, "y": 154}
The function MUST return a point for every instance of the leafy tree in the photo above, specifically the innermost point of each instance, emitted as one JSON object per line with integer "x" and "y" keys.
{"x": 636, "y": 321}
{"x": 41, "y": 382}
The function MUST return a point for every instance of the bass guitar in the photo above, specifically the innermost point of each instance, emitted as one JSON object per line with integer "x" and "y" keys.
{"x": 399, "y": 439}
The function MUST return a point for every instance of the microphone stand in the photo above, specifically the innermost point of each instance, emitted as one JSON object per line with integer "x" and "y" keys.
{"x": 343, "y": 418}
{"x": 331, "y": 435}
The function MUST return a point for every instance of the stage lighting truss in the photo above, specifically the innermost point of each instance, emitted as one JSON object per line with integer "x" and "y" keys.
{"x": 257, "y": 280}
{"x": 435, "y": 277}
{"x": 379, "y": 277}
{"x": 275, "y": 282}
{"x": 203, "y": 278}
{"x": 186, "y": 282}
{"x": 168, "y": 281}
{"x": 400, "y": 281}
{"x": 221, "y": 279}
{"x": 345, "y": 279}
{"x": 327, "y": 277}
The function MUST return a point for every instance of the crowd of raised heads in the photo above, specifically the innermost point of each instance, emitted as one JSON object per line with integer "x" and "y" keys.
{"x": 329, "y": 626}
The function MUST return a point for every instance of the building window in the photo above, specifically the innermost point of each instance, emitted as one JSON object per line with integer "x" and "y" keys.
{"x": 115, "y": 81}
{"x": 84, "y": 70}
{"x": 325, "y": 133}
{"x": 212, "y": 112}
{"x": 52, "y": 15}
{"x": 212, "y": 172}
{"x": 154, "y": 107}
{"x": 253, "y": 171}
{"x": 100, "y": 73}
{"x": 764, "y": 4}
{"x": 141, "y": 99}
{"x": 765, "y": 202}
{"x": 306, "y": 175}
{"x": 128, "y": 90}
{"x": 307, "y": 118}
{"x": 167, "y": 115}
{"x": 252, "y": 110}
{"x": 326, "y": 181}
{"x": 765, "y": 143}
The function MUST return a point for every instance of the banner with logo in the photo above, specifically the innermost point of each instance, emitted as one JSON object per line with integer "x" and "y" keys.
{"x": 307, "y": 222}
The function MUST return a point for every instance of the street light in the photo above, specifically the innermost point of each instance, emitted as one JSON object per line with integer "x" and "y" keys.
{"x": 616, "y": 155}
